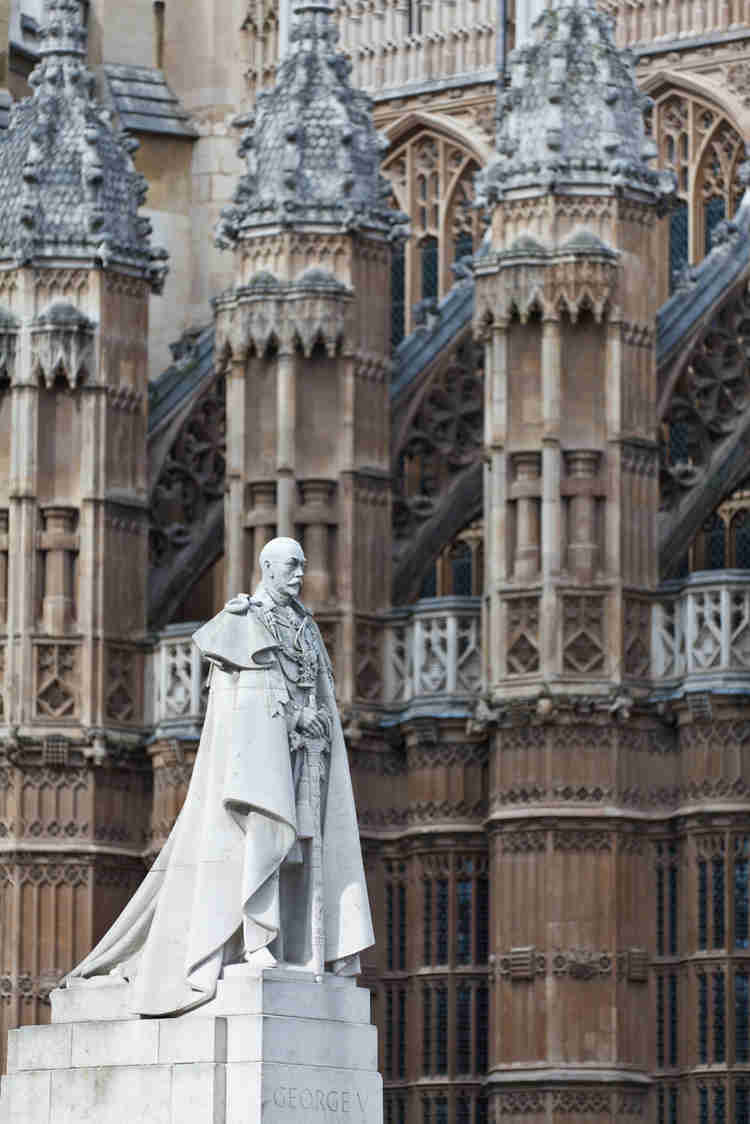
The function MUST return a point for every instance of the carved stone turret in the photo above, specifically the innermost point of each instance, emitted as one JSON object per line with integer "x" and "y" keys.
{"x": 566, "y": 309}
{"x": 76, "y": 272}
{"x": 305, "y": 335}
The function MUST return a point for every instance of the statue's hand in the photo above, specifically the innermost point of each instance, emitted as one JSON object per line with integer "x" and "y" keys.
{"x": 312, "y": 723}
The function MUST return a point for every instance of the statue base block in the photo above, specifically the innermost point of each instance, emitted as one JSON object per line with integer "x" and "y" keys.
{"x": 276, "y": 1048}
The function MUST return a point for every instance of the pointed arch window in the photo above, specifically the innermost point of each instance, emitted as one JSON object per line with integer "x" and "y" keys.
{"x": 432, "y": 178}
{"x": 704, "y": 150}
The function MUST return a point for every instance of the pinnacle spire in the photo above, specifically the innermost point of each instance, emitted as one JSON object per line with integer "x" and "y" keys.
{"x": 68, "y": 186}
{"x": 63, "y": 32}
{"x": 312, "y": 151}
{"x": 573, "y": 116}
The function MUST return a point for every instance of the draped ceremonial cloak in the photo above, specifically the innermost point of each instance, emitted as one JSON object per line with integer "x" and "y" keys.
{"x": 214, "y": 873}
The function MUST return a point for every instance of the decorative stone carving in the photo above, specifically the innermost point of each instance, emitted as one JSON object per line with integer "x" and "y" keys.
{"x": 121, "y": 691}
{"x": 442, "y": 439}
{"x": 191, "y": 482}
{"x": 523, "y": 842}
{"x": 583, "y": 1101}
{"x": 68, "y": 186}
{"x": 581, "y": 963}
{"x": 62, "y": 345}
{"x": 521, "y": 1102}
{"x": 583, "y": 634}
{"x": 582, "y": 840}
{"x": 637, "y": 637}
{"x": 57, "y": 683}
{"x": 522, "y": 635}
{"x": 522, "y": 964}
{"x": 568, "y": 97}
{"x": 310, "y": 147}
{"x": 707, "y": 402}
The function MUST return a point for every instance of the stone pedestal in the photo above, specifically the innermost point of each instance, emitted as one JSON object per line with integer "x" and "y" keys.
{"x": 277, "y": 1049}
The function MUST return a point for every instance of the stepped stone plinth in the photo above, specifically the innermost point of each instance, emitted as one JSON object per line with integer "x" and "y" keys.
{"x": 277, "y": 1049}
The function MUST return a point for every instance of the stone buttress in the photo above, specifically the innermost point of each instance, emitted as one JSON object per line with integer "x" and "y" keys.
{"x": 566, "y": 306}
{"x": 76, "y": 272}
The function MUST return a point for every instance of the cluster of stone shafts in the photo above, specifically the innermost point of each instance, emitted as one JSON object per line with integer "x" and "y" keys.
{"x": 566, "y": 309}
{"x": 76, "y": 271}
{"x": 304, "y": 334}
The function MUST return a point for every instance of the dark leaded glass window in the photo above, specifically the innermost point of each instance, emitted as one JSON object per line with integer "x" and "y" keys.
{"x": 426, "y": 1113}
{"x": 398, "y": 294}
{"x": 402, "y": 927}
{"x": 402, "y": 1110}
{"x": 464, "y": 890}
{"x": 480, "y": 1110}
{"x": 661, "y": 1109}
{"x": 461, "y": 570}
{"x": 678, "y": 241}
{"x": 463, "y": 247}
{"x": 427, "y": 920}
{"x": 741, "y": 537}
{"x": 441, "y": 1028}
{"x": 713, "y": 212}
{"x": 719, "y": 1026}
{"x": 741, "y": 911}
{"x": 703, "y": 1105}
{"x": 717, "y": 871}
{"x": 427, "y": 1030}
{"x": 389, "y": 1032}
{"x": 741, "y": 1105}
{"x": 389, "y": 925}
{"x": 702, "y": 904}
{"x": 483, "y": 920}
{"x": 441, "y": 1110}
{"x": 388, "y": 1106}
{"x": 660, "y": 911}
{"x": 703, "y": 1019}
{"x": 741, "y": 1015}
{"x": 463, "y": 1028}
{"x": 715, "y": 542}
{"x": 673, "y": 1104}
{"x": 402, "y": 1032}
{"x": 720, "y": 1105}
{"x": 673, "y": 910}
{"x": 428, "y": 252}
{"x": 673, "y": 1022}
{"x": 463, "y": 1109}
{"x": 428, "y": 587}
{"x": 482, "y": 1027}
{"x": 442, "y": 921}
{"x": 660, "y": 1021}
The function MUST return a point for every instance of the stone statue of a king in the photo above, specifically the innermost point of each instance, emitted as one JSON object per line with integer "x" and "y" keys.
{"x": 263, "y": 863}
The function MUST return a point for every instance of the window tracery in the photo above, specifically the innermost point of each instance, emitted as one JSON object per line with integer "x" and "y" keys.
{"x": 704, "y": 150}
{"x": 433, "y": 182}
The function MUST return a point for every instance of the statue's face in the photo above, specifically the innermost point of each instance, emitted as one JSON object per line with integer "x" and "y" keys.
{"x": 284, "y": 572}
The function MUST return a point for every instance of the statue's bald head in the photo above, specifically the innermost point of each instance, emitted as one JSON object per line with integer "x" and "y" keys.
{"x": 282, "y": 564}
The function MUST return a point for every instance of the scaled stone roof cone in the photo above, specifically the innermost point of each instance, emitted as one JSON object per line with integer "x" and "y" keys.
{"x": 573, "y": 116}
{"x": 68, "y": 186}
{"x": 312, "y": 151}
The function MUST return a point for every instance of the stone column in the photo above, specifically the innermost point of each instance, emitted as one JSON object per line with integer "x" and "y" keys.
{"x": 526, "y": 489}
{"x": 59, "y": 544}
{"x": 286, "y": 421}
{"x": 583, "y": 550}
{"x": 316, "y": 515}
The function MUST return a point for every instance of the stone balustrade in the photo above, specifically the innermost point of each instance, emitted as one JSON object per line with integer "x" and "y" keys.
{"x": 701, "y": 631}
{"x": 432, "y": 652}
{"x": 178, "y": 680}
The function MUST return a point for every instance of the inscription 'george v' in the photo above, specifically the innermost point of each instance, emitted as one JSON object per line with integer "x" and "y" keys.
{"x": 320, "y": 1100}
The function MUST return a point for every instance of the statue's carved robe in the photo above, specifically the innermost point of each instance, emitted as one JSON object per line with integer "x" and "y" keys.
{"x": 216, "y": 874}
